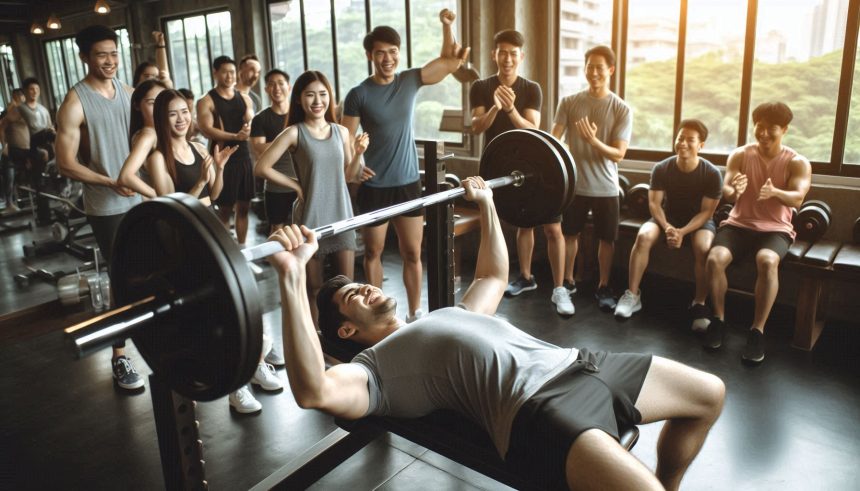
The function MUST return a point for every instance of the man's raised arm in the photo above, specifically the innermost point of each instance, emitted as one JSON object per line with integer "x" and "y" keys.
{"x": 340, "y": 390}
{"x": 452, "y": 56}
{"x": 491, "y": 271}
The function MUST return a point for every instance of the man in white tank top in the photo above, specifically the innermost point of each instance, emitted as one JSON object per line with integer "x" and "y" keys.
{"x": 511, "y": 367}
{"x": 764, "y": 180}
{"x": 93, "y": 122}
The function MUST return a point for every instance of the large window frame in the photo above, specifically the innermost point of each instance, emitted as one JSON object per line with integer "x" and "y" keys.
{"x": 63, "y": 52}
{"x": 464, "y": 145}
{"x": 835, "y": 166}
{"x": 206, "y": 74}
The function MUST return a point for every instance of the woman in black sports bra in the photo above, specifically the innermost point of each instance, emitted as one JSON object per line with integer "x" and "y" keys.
{"x": 177, "y": 165}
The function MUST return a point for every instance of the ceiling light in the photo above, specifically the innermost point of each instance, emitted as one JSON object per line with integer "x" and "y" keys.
{"x": 54, "y": 22}
{"x": 102, "y": 7}
{"x": 37, "y": 28}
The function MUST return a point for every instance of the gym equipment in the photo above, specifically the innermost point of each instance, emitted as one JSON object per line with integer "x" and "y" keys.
{"x": 637, "y": 201}
{"x": 69, "y": 228}
{"x": 623, "y": 188}
{"x": 813, "y": 219}
{"x": 722, "y": 212}
{"x": 181, "y": 276}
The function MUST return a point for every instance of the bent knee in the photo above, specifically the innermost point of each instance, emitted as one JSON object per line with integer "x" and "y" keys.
{"x": 719, "y": 257}
{"x": 767, "y": 260}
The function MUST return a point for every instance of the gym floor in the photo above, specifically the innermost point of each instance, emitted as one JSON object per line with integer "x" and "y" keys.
{"x": 790, "y": 423}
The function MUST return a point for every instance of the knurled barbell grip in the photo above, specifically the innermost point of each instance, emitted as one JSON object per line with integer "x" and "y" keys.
{"x": 269, "y": 248}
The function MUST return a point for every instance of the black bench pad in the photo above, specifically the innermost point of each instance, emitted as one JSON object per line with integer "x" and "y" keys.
{"x": 848, "y": 259}
{"x": 821, "y": 253}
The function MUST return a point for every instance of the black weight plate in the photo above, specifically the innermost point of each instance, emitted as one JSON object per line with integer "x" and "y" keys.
{"x": 567, "y": 158}
{"x": 174, "y": 247}
{"x": 547, "y": 187}
{"x": 813, "y": 220}
{"x": 637, "y": 201}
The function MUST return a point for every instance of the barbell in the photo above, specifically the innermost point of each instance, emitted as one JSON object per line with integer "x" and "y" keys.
{"x": 190, "y": 302}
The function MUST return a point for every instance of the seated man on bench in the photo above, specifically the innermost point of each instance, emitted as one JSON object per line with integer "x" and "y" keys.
{"x": 691, "y": 187}
{"x": 764, "y": 180}
{"x": 553, "y": 413}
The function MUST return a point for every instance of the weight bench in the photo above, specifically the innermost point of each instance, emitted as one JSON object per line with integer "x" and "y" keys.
{"x": 449, "y": 434}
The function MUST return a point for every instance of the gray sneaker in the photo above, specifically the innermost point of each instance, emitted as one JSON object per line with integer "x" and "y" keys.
{"x": 628, "y": 304}
{"x": 275, "y": 357}
{"x": 124, "y": 374}
{"x": 520, "y": 285}
{"x": 605, "y": 299}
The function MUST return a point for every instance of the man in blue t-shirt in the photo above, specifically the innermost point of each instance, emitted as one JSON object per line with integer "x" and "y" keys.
{"x": 553, "y": 413}
{"x": 384, "y": 105}
{"x": 691, "y": 187}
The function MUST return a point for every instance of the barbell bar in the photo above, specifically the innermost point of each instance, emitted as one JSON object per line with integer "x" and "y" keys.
{"x": 190, "y": 302}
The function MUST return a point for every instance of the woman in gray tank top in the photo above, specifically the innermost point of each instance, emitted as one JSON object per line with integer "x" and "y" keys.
{"x": 324, "y": 162}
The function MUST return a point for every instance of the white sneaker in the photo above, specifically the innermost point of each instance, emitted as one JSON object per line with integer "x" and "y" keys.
{"x": 266, "y": 377}
{"x": 628, "y": 304}
{"x": 561, "y": 299}
{"x": 242, "y": 401}
{"x": 414, "y": 317}
{"x": 275, "y": 357}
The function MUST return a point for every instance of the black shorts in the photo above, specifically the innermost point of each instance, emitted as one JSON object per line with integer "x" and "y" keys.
{"x": 372, "y": 199}
{"x": 742, "y": 241}
{"x": 279, "y": 207}
{"x": 18, "y": 157}
{"x": 104, "y": 231}
{"x": 238, "y": 182}
{"x": 599, "y": 390}
{"x": 606, "y": 216}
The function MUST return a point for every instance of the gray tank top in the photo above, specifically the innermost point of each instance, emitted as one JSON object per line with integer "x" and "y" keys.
{"x": 319, "y": 167}
{"x": 107, "y": 126}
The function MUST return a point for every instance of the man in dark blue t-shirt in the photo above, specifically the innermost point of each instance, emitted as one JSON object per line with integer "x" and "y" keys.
{"x": 692, "y": 187}
{"x": 384, "y": 104}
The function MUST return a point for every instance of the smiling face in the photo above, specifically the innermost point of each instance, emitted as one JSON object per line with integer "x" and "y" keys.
{"x": 32, "y": 93}
{"x": 368, "y": 310}
{"x": 103, "y": 60}
{"x": 508, "y": 57}
{"x": 769, "y": 135}
{"x": 688, "y": 143}
{"x": 225, "y": 75}
{"x": 250, "y": 72}
{"x": 385, "y": 58}
{"x": 178, "y": 117}
{"x": 277, "y": 88}
{"x": 315, "y": 100}
{"x": 598, "y": 73}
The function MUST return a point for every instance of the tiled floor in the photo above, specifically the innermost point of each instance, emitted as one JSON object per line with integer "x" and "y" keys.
{"x": 788, "y": 424}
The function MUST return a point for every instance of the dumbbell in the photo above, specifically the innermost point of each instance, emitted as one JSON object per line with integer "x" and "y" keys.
{"x": 722, "y": 212}
{"x": 637, "y": 200}
{"x": 813, "y": 220}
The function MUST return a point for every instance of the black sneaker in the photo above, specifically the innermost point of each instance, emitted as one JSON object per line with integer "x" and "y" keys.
{"x": 714, "y": 335}
{"x": 570, "y": 286}
{"x": 520, "y": 285}
{"x": 605, "y": 299}
{"x": 700, "y": 316}
{"x": 124, "y": 374}
{"x": 754, "y": 351}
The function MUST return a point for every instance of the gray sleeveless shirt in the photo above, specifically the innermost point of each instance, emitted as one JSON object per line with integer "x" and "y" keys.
{"x": 107, "y": 126}
{"x": 319, "y": 167}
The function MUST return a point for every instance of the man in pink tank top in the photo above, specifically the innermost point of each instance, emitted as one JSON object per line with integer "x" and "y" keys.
{"x": 764, "y": 180}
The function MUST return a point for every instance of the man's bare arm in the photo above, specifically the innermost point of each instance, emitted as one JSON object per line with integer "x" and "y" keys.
{"x": 70, "y": 118}
{"x": 491, "y": 270}
{"x": 206, "y": 121}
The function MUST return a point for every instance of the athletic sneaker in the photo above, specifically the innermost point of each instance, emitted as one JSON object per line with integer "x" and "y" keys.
{"x": 605, "y": 299}
{"x": 275, "y": 357}
{"x": 266, "y": 377}
{"x": 414, "y": 317}
{"x": 628, "y": 304}
{"x": 754, "y": 351}
{"x": 124, "y": 374}
{"x": 714, "y": 335}
{"x": 243, "y": 402}
{"x": 701, "y": 317}
{"x": 520, "y": 285}
{"x": 561, "y": 299}
{"x": 571, "y": 286}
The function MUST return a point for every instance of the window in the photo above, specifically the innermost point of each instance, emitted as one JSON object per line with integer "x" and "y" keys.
{"x": 65, "y": 67}
{"x": 8, "y": 74}
{"x": 327, "y": 36}
{"x": 192, "y": 43}
{"x": 716, "y": 61}
{"x": 584, "y": 24}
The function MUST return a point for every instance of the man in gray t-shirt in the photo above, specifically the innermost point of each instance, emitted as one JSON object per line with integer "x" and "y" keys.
{"x": 598, "y": 126}
{"x": 383, "y": 105}
{"x": 484, "y": 368}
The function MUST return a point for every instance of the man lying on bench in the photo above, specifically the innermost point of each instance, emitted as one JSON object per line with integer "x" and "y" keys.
{"x": 553, "y": 413}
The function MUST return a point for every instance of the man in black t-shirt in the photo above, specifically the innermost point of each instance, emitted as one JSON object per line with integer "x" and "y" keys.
{"x": 265, "y": 126}
{"x": 504, "y": 102}
{"x": 692, "y": 187}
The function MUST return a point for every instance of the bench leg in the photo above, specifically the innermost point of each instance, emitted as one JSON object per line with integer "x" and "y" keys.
{"x": 811, "y": 296}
